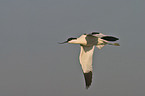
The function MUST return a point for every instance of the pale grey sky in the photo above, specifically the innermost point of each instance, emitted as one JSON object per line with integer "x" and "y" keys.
{"x": 33, "y": 64}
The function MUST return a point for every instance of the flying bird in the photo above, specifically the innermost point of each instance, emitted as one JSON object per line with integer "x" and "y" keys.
{"x": 87, "y": 44}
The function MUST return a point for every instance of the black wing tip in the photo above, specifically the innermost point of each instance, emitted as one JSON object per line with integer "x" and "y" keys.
{"x": 95, "y": 33}
{"x": 88, "y": 79}
{"x": 110, "y": 38}
{"x": 87, "y": 87}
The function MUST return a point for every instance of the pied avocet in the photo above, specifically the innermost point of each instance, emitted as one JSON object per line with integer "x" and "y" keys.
{"x": 88, "y": 43}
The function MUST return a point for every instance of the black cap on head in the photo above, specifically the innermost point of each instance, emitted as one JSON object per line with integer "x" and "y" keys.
{"x": 69, "y": 39}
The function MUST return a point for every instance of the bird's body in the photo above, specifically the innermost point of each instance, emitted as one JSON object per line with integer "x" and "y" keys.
{"x": 85, "y": 40}
{"x": 88, "y": 43}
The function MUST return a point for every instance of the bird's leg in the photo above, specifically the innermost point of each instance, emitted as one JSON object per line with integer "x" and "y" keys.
{"x": 115, "y": 44}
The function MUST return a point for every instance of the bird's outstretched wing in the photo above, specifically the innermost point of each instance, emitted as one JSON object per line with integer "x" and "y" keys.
{"x": 86, "y": 55}
{"x": 110, "y": 38}
{"x": 96, "y": 34}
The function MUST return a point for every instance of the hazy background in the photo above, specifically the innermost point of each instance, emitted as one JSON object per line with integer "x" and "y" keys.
{"x": 33, "y": 64}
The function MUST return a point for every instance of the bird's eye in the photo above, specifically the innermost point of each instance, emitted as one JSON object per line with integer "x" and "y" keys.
{"x": 85, "y": 34}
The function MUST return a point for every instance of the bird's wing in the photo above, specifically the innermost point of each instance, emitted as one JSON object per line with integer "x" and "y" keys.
{"x": 86, "y": 55}
{"x": 110, "y": 38}
{"x": 101, "y": 43}
{"x": 99, "y": 35}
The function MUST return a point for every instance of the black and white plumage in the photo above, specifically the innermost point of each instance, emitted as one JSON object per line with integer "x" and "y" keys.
{"x": 87, "y": 43}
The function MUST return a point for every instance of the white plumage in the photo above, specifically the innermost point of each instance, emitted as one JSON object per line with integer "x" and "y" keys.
{"x": 85, "y": 57}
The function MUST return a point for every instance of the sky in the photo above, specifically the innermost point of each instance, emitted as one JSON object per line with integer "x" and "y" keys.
{"x": 32, "y": 63}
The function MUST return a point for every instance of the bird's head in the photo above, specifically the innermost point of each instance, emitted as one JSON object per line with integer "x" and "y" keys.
{"x": 69, "y": 40}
